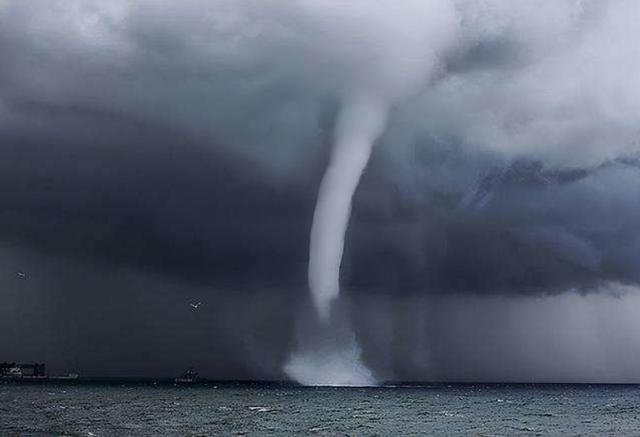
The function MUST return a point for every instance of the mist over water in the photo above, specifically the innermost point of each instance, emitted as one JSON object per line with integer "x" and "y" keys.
{"x": 327, "y": 351}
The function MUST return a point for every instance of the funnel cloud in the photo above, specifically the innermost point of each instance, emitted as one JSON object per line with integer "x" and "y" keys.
{"x": 359, "y": 125}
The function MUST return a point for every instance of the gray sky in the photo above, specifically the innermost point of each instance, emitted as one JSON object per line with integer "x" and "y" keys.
{"x": 157, "y": 153}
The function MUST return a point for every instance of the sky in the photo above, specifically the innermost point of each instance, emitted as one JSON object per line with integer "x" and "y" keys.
{"x": 154, "y": 154}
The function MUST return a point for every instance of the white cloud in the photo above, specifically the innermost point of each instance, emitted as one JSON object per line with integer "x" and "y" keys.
{"x": 556, "y": 81}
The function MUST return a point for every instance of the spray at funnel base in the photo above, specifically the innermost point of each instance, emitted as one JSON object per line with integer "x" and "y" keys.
{"x": 328, "y": 352}
{"x": 331, "y": 367}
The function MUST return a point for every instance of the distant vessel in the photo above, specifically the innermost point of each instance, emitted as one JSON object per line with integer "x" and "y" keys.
{"x": 13, "y": 373}
{"x": 22, "y": 371}
{"x": 67, "y": 377}
{"x": 30, "y": 372}
{"x": 189, "y": 376}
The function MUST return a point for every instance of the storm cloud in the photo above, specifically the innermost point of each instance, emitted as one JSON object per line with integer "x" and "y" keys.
{"x": 160, "y": 152}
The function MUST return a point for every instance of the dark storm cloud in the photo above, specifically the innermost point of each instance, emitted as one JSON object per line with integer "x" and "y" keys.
{"x": 520, "y": 230}
{"x": 150, "y": 198}
{"x": 185, "y": 143}
{"x": 116, "y": 321}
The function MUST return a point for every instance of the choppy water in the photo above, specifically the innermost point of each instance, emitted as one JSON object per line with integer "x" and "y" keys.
{"x": 254, "y": 409}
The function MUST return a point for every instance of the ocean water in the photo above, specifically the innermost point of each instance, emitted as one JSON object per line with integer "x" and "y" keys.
{"x": 137, "y": 409}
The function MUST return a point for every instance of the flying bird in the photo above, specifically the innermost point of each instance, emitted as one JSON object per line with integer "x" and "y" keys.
{"x": 195, "y": 305}
{"x": 22, "y": 275}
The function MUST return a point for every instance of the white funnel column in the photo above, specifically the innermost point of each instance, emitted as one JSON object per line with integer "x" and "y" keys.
{"x": 360, "y": 122}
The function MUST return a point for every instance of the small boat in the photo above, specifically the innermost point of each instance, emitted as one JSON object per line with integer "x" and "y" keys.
{"x": 67, "y": 377}
{"x": 189, "y": 376}
{"x": 14, "y": 372}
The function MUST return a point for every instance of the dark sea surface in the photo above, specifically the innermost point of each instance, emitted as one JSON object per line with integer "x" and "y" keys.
{"x": 147, "y": 409}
